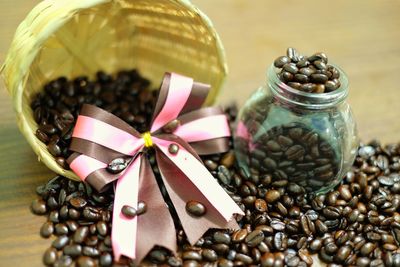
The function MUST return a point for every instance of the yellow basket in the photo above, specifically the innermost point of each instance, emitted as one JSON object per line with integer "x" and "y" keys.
{"x": 80, "y": 37}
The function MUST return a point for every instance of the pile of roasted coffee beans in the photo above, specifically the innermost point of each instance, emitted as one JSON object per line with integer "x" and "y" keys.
{"x": 56, "y": 108}
{"x": 295, "y": 153}
{"x": 356, "y": 224}
{"x": 309, "y": 74}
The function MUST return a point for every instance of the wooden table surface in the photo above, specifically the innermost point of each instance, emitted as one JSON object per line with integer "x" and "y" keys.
{"x": 361, "y": 36}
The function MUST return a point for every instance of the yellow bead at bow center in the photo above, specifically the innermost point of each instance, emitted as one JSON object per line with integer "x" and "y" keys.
{"x": 148, "y": 142}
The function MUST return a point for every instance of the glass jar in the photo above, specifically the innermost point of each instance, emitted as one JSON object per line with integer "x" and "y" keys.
{"x": 304, "y": 138}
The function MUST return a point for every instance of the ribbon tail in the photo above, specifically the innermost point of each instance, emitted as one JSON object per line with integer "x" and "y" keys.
{"x": 186, "y": 179}
{"x": 124, "y": 230}
{"x": 155, "y": 226}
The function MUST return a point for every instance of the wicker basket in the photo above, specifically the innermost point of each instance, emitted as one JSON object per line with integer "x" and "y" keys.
{"x": 80, "y": 37}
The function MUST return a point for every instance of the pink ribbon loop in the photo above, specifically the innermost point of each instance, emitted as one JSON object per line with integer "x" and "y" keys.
{"x": 182, "y": 172}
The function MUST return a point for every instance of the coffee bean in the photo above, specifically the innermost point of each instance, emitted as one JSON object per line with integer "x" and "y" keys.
{"x": 273, "y": 146}
{"x": 129, "y": 211}
{"x": 228, "y": 159}
{"x": 225, "y": 263}
{"x": 342, "y": 253}
{"x": 280, "y": 241}
{"x": 292, "y": 54}
{"x": 272, "y": 195}
{"x": 54, "y": 149}
{"x": 47, "y": 229}
{"x": 171, "y": 126}
{"x": 224, "y": 175}
{"x": 315, "y": 245}
{"x": 84, "y": 261}
{"x": 331, "y": 212}
{"x": 319, "y": 78}
{"x": 294, "y": 85}
{"x": 50, "y": 256}
{"x": 54, "y": 216}
{"x": 294, "y": 152}
{"x": 281, "y": 61}
{"x": 221, "y": 237}
{"x": 61, "y": 229}
{"x": 78, "y": 202}
{"x": 38, "y": 207}
{"x": 239, "y": 236}
{"x": 91, "y": 214}
{"x": 60, "y": 242}
{"x": 81, "y": 234}
{"x": 105, "y": 260}
{"x": 90, "y": 251}
{"x": 301, "y": 78}
{"x": 117, "y": 165}
{"x": 42, "y": 136}
{"x": 277, "y": 225}
{"x": 270, "y": 163}
{"x": 195, "y": 208}
{"x": 174, "y": 261}
{"x": 260, "y": 205}
{"x": 102, "y": 228}
{"x": 319, "y": 64}
{"x": 254, "y": 238}
{"x": 73, "y": 250}
{"x": 191, "y": 255}
{"x": 209, "y": 254}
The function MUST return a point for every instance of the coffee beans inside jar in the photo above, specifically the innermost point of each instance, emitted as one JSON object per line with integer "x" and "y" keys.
{"x": 309, "y": 74}
{"x": 358, "y": 223}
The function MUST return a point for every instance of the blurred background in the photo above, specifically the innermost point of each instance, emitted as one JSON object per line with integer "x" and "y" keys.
{"x": 360, "y": 36}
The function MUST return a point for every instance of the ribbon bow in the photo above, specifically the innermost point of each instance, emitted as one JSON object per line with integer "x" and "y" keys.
{"x": 100, "y": 138}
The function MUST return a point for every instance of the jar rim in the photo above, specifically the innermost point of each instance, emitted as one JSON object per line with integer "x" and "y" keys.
{"x": 304, "y": 99}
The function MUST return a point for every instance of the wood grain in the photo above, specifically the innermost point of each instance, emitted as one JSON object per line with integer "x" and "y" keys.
{"x": 361, "y": 36}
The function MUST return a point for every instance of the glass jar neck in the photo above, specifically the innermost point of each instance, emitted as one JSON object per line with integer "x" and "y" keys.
{"x": 294, "y": 97}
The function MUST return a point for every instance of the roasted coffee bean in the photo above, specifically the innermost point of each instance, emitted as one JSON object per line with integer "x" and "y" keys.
{"x": 73, "y": 250}
{"x": 331, "y": 212}
{"x": 209, "y": 255}
{"x": 91, "y": 214}
{"x": 102, "y": 228}
{"x": 77, "y": 202}
{"x": 38, "y": 207}
{"x": 277, "y": 225}
{"x": 60, "y": 242}
{"x": 239, "y": 236}
{"x": 254, "y": 238}
{"x": 224, "y": 175}
{"x": 61, "y": 229}
{"x": 315, "y": 245}
{"x": 295, "y": 152}
{"x": 195, "y": 208}
{"x": 117, "y": 165}
{"x": 54, "y": 216}
{"x": 260, "y": 205}
{"x": 342, "y": 254}
{"x": 50, "y": 256}
{"x": 47, "y": 229}
{"x": 84, "y": 261}
{"x": 42, "y": 136}
{"x": 272, "y": 195}
{"x": 291, "y": 68}
{"x": 105, "y": 260}
{"x": 81, "y": 234}
{"x": 129, "y": 211}
{"x": 281, "y": 61}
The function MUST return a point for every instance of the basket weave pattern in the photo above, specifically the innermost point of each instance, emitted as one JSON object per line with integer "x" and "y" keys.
{"x": 80, "y": 37}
